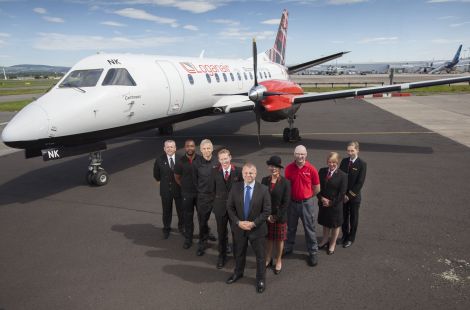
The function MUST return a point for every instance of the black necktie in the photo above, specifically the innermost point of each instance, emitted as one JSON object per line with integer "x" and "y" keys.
{"x": 172, "y": 163}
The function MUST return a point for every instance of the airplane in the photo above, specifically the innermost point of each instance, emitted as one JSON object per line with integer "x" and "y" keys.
{"x": 111, "y": 95}
{"x": 446, "y": 66}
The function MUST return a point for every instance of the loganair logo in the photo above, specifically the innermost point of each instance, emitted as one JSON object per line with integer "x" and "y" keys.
{"x": 113, "y": 62}
{"x": 210, "y": 69}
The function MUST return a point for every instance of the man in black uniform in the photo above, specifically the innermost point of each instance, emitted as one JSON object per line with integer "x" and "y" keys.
{"x": 169, "y": 189}
{"x": 202, "y": 178}
{"x": 356, "y": 169}
{"x": 184, "y": 177}
{"x": 223, "y": 177}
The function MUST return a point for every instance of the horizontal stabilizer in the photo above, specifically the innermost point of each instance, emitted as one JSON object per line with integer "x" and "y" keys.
{"x": 315, "y": 62}
{"x": 376, "y": 90}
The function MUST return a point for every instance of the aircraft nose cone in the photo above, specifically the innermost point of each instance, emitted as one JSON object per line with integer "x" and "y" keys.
{"x": 31, "y": 123}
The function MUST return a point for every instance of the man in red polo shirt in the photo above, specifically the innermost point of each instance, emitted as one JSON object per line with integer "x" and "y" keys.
{"x": 305, "y": 184}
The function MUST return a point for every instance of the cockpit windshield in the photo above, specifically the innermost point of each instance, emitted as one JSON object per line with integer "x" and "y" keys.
{"x": 82, "y": 78}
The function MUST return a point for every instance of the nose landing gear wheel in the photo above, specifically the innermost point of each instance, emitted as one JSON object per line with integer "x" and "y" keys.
{"x": 291, "y": 135}
{"x": 96, "y": 175}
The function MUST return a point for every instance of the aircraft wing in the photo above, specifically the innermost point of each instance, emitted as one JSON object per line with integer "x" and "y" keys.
{"x": 375, "y": 90}
{"x": 315, "y": 62}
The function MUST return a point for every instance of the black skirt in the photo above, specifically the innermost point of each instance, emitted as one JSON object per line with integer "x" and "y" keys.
{"x": 330, "y": 217}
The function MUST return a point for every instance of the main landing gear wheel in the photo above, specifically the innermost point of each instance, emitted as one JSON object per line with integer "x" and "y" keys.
{"x": 291, "y": 134}
{"x": 166, "y": 131}
{"x": 96, "y": 175}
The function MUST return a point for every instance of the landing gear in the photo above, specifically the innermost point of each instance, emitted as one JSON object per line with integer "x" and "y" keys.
{"x": 166, "y": 131}
{"x": 291, "y": 134}
{"x": 96, "y": 175}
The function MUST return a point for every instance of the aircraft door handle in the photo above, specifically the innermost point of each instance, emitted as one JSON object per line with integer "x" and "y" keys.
{"x": 131, "y": 114}
{"x": 131, "y": 103}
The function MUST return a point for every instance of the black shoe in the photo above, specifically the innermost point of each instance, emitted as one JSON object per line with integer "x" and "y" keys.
{"x": 221, "y": 262}
{"x": 201, "y": 250}
{"x": 234, "y": 278}
{"x": 277, "y": 271}
{"x": 329, "y": 252}
{"x": 312, "y": 260}
{"x": 347, "y": 244}
{"x": 260, "y": 287}
{"x": 211, "y": 237}
{"x": 187, "y": 244}
{"x": 229, "y": 248}
{"x": 166, "y": 234}
{"x": 324, "y": 246}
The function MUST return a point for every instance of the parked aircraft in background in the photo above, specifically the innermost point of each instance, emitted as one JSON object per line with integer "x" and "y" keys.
{"x": 446, "y": 66}
{"x": 111, "y": 95}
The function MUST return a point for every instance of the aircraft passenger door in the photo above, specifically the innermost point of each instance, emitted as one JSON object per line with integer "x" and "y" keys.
{"x": 175, "y": 85}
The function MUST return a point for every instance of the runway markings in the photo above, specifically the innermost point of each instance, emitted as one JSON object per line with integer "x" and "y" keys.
{"x": 280, "y": 135}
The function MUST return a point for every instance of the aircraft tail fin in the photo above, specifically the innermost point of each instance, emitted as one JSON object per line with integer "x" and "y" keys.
{"x": 457, "y": 55}
{"x": 278, "y": 51}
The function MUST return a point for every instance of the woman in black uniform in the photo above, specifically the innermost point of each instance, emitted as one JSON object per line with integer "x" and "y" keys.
{"x": 333, "y": 186}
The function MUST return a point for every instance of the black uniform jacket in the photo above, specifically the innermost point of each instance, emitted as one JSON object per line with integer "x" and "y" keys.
{"x": 260, "y": 209}
{"x": 356, "y": 177}
{"x": 280, "y": 197}
{"x": 221, "y": 188}
{"x": 333, "y": 188}
{"x": 163, "y": 173}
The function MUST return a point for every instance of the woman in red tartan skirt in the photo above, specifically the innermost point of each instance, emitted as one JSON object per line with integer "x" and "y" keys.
{"x": 279, "y": 187}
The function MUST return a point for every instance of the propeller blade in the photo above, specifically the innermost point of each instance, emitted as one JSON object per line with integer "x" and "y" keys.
{"x": 271, "y": 93}
{"x": 255, "y": 61}
{"x": 236, "y": 94}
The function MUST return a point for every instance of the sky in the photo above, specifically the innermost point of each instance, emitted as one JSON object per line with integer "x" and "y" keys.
{"x": 51, "y": 32}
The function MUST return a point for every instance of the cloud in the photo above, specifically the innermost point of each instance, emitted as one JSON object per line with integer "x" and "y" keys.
{"x": 66, "y": 42}
{"x": 112, "y": 24}
{"x": 444, "y": 1}
{"x": 40, "y": 10}
{"x": 222, "y": 21}
{"x": 143, "y": 15}
{"x": 240, "y": 34}
{"x": 379, "y": 40}
{"x": 341, "y": 2}
{"x": 4, "y": 35}
{"x": 337, "y": 42}
{"x": 53, "y": 19}
{"x": 447, "y": 17}
{"x": 446, "y": 41}
{"x": 191, "y": 27}
{"x": 193, "y": 6}
{"x": 459, "y": 24}
{"x": 274, "y": 21}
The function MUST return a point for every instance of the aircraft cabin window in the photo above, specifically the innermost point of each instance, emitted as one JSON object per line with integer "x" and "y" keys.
{"x": 239, "y": 76}
{"x": 225, "y": 77}
{"x": 217, "y": 78}
{"x": 251, "y": 75}
{"x": 269, "y": 74}
{"x": 208, "y": 77}
{"x": 82, "y": 78}
{"x": 244, "y": 74}
{"x": 191, "y": 79}
{"x": 265, "y": 75}
{"x": 231, "y": 77}
{"x": 118, "y": 76}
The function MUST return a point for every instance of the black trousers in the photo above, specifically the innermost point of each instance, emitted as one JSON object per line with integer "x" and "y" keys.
{"x": 351, "y": 220}
{"x": 167, "y": 206}
{"x": 222, "y": 232}
{"x": 189, "y": 205}
{"x": 258, "y": 245}
{"x": 204, "y": 209}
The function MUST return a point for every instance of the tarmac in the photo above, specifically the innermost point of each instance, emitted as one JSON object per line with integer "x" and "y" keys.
{"x": 65, "y": 245}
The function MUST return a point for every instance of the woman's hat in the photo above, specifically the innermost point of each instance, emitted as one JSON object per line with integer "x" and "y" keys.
{"x": 275, "y": 161}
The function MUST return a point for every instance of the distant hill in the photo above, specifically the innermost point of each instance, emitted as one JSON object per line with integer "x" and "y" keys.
{"x": 35, "y": 69}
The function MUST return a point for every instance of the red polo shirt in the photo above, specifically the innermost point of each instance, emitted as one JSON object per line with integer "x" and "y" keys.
{"x": 302, "y": 180}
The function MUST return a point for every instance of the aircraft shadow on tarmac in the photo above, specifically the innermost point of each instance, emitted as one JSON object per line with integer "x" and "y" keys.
{"x": 70, "y": 173}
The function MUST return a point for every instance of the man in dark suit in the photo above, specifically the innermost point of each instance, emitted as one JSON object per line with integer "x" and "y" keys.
{"x": 356, "y": 169}
{"x": 223, "y": 177}
{"x": 248, "y": 206}
{"x": 163, "y": 172}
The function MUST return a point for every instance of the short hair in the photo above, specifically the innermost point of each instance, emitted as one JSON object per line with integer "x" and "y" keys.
{"x": 300, "y": 147}
{"x": 249, "y": 165}
{"x": 168, "y": 142}
{"x": 354, "y": 144}
{"x": 189, "y": 140}
{"x": 223, "y": 151}
{"x": 206, "y": 141}
{"x": 333, "y": 155}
